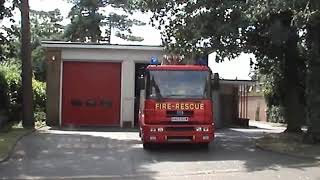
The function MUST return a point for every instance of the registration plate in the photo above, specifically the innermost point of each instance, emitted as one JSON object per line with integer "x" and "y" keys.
{"x": 179, "y": 119}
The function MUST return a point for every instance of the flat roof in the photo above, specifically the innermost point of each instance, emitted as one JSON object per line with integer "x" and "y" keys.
{"x": 82, "y": 45}
{"x": 237, "y": 82}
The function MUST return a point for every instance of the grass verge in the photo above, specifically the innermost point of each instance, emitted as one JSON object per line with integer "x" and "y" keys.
{"x": 290, "y": 144}
{"x": 9, "y": 139}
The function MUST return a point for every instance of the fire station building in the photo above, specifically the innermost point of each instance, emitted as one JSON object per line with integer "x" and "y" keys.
{"x": 94, "y": 84}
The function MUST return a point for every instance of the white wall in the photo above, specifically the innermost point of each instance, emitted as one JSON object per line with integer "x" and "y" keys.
{"x": 127, "y": 90}
{"x": 128, "y": 58}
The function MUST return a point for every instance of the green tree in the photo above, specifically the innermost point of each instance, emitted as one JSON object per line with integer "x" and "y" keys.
{"x": 274, "y": 39}
{"x": 44, "y": 26}
{"x": 305, "y": 20}
{"x": 194, "y": 28}
{"x": 272, "y": 30}
{"x": 5, "y": 33}
{"x": 90, "y": 24}
{"x": 3, "y": 10}
{"x": 3, "y": 13}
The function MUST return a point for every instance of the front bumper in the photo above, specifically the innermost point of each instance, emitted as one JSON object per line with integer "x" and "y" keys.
{"x": 177, "y": 134}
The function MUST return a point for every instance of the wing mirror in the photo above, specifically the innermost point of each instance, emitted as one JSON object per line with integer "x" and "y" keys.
{"x": 141, "y": 82}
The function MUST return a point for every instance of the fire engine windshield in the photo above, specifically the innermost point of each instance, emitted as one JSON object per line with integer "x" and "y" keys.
{"x": 178, "y": 84}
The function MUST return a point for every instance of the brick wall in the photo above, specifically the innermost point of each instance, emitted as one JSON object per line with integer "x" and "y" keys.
{"x": 257, "y": 103}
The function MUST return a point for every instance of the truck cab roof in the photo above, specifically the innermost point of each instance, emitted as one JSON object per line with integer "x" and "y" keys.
{"x": 178, "y": 67}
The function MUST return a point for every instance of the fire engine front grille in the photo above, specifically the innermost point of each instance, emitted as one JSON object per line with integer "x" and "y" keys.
{"x": 179, "y": 129}
{"x": 179, "y": 113}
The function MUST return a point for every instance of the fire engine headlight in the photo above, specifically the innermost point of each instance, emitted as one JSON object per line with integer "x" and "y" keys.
{"x": 198, "y": 129}
{"x": 205, "y": 137}
{"x": 160, "y": 129}
{"x": 205, "y": 129}
{"x": 153, "y": 130}
{"x": 153, "y": 138}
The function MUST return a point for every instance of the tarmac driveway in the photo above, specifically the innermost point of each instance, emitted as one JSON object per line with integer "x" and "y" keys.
{"x": 57, "y": 154}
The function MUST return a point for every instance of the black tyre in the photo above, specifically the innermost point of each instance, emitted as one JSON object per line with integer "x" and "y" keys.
{"x": 204, "y": 145}
{"x": 147, "y": 146}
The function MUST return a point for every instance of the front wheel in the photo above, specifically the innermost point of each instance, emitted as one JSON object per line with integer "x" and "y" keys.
{"x": 204, "y": 145}
{"x": 147, "y": 146}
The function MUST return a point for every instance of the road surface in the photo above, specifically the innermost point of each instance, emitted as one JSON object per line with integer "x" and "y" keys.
{"x": 56, "y": 154}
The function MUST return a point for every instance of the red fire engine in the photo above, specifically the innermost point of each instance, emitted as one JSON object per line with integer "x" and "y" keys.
{"x": 176, "y": 105}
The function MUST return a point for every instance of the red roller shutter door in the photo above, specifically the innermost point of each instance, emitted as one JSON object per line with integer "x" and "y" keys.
{"x": 91, "y": 93}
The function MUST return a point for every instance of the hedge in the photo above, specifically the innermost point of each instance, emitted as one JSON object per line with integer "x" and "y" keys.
{"x": 11, "y": 93}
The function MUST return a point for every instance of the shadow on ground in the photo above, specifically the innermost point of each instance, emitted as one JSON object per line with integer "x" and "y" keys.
{"x": 78, "y": 154}
{"x": 95, "y": 129}
{"x": 119, "y": 154}
{"x": 232, "y": 148}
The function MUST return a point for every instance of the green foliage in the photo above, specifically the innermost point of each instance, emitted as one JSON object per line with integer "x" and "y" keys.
{"x": 5, "y": 33}
{"x": 12, "y": 87}
{"x": 11, "y": 43}
{"x": 44, "y": 26}
{"x": 305, "y": 56}
{"x": 193, "y": 28}
{"x": 275, "y": 114}
{"x": 85, "y": 21}
{"x": 277, "y": 38}
{"x": 272, "y": 30}
{"x": 11, "y": 92}
{"x": 91, "y": 23}
{"x": 39, "y": 64}
{"x": 39, "y": 95}
{"x": 3, "y": 91}
{"x": 4, "y": 11}
{"x": 40, "y": 118}
{"x": 39, "y": 98}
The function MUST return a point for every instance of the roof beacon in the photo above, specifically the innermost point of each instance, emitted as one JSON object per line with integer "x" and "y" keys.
{"x": 154, "y": 61}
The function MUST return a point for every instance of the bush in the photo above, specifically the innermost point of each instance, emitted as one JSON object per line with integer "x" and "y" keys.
{"x": 39, "y": 64}
{"x": 11, "y": 93}
{"x": 12, "y": 90}
{"x": 275, "y": 114}
{"x": 3, "y": 91}
{"x": 39, "y": 95}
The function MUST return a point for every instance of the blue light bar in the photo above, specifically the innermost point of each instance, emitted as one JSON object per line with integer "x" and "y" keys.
{"x": 154, "y": 60}
{"x": 203, "y": 61}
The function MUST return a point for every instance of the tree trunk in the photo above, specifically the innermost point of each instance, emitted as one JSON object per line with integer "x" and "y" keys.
{"x": 293, "y": 107}
{"x": 313, "y": 79}
{"x": 27, "y": 94}
{"x": 293, "y": 112}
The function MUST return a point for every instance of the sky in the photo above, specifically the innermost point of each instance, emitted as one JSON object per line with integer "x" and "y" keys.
{"x": 238, "y": 68}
